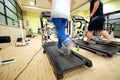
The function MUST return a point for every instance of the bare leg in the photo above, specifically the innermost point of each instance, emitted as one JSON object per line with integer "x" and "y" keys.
{"x": 89, "y": 36}
{"x": 105, "y": 34}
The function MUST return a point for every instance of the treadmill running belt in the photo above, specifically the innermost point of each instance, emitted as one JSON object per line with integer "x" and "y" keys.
{"x": 98, "y": 47}
{"x": 104, "y": 42}
{"x": 62, "y": 61}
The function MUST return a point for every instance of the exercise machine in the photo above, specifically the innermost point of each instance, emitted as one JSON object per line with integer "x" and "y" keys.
{"x": 23, "y": 42}
{"x": 60, "y": 62}
{"x": 110, "y": 29}
{"x": 46, "y": 31}
{"x": 5, "y": 39}
{"x": 78, "y": 28}
{"x": 104, "y": 42}
{"x": 100, "y": 49}
{"x": 30, "y": 33}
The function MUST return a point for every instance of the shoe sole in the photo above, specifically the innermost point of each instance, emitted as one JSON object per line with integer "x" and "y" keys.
{"x": 65, "y": 51}
{"x": 68, "y": 52}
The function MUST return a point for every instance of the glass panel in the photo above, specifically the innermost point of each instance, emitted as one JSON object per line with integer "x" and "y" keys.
{"x": 12, "y": 22}
{"x": 13, "y": 2}
{"x": 117, "y": 21}
{"x": 18, "y": 8}
{"x": 11, "y": 14}
{"x": 1, "y": 0}
{"x": 1, "y": 8}
{"x": 117, "y": 27}
{"x": 2, "y": 19}
{"x": 113, "y": 16}
{"x": 15, "y": 24}
{"x": 19, "y": 12}
{"x": 20, "y": 15}
{"x": 19, "y": 18}
{"x": 8, "y": 4}
{"x": 117, "y": 33}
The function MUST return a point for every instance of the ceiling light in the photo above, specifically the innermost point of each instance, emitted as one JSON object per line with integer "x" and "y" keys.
{"x": 32, "y": 7}
{"x": 35, "y": 7}
{"x": 32, "y": 3}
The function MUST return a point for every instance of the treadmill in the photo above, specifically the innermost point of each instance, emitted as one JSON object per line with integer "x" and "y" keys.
{"x": 61, "y": 63}
{"x": 112, "y": 43}
{"x": 100, "y": 49}
{"x": 104, "y": 50}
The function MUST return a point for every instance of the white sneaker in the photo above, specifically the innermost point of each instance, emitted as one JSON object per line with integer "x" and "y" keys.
{"x": 64, "y": 50}
{"x": 68, "y": 44}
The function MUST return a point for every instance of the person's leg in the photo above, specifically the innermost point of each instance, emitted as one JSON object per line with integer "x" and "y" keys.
{"x": 60, "y": 25}
{"x": 100, "y": 25}
{"x": 89, "y": 36}
{"x": 105, "y": 34}
{"x": 67, "y": 42}
{"x": 60, "y": 30}
{"x": 59, "y": 44}
{"x": 91, "y": 28}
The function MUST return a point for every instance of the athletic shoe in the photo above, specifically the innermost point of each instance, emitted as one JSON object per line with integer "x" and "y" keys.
{"x": 90, "y": 42}
{"x": 68, "y": 44}
{"x": 64, "y": 50}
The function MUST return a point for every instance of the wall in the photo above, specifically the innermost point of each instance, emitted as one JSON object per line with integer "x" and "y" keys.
{"x": 79, "y": 12}
{"x": 33, "y": 20}
{"x": 112, "y": 6}
{"x": 11, "y": 31}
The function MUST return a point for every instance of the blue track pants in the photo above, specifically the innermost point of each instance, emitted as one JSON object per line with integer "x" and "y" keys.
{"x": 60, "y": 24}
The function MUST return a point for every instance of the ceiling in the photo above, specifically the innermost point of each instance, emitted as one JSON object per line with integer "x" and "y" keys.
{"x": 43, "y": 5}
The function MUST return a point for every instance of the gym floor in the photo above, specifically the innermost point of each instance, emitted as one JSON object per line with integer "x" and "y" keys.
{"x": 31, "y": 64}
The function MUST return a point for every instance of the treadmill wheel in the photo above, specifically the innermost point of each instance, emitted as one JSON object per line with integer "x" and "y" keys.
{"x": 109, "y": 55}
{"x": 44, "y": 51}
{"x": 59, "y": 75}
{"x": 89, "y": 63}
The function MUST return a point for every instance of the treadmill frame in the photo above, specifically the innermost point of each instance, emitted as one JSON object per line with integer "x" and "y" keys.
{"x": 56, "y": 69}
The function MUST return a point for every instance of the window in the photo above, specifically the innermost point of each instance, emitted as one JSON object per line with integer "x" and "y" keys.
{"x": 2, "y": 19}
{"x": 10, "y": 6}
{"x": 2, "y": 8}
{"x": 10, "y": 13}
{"x": 1, "y": 0}
{"x": 13, "y": 2}
{"x": 12, "y": 22}
{"x": 114, "y": 18}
